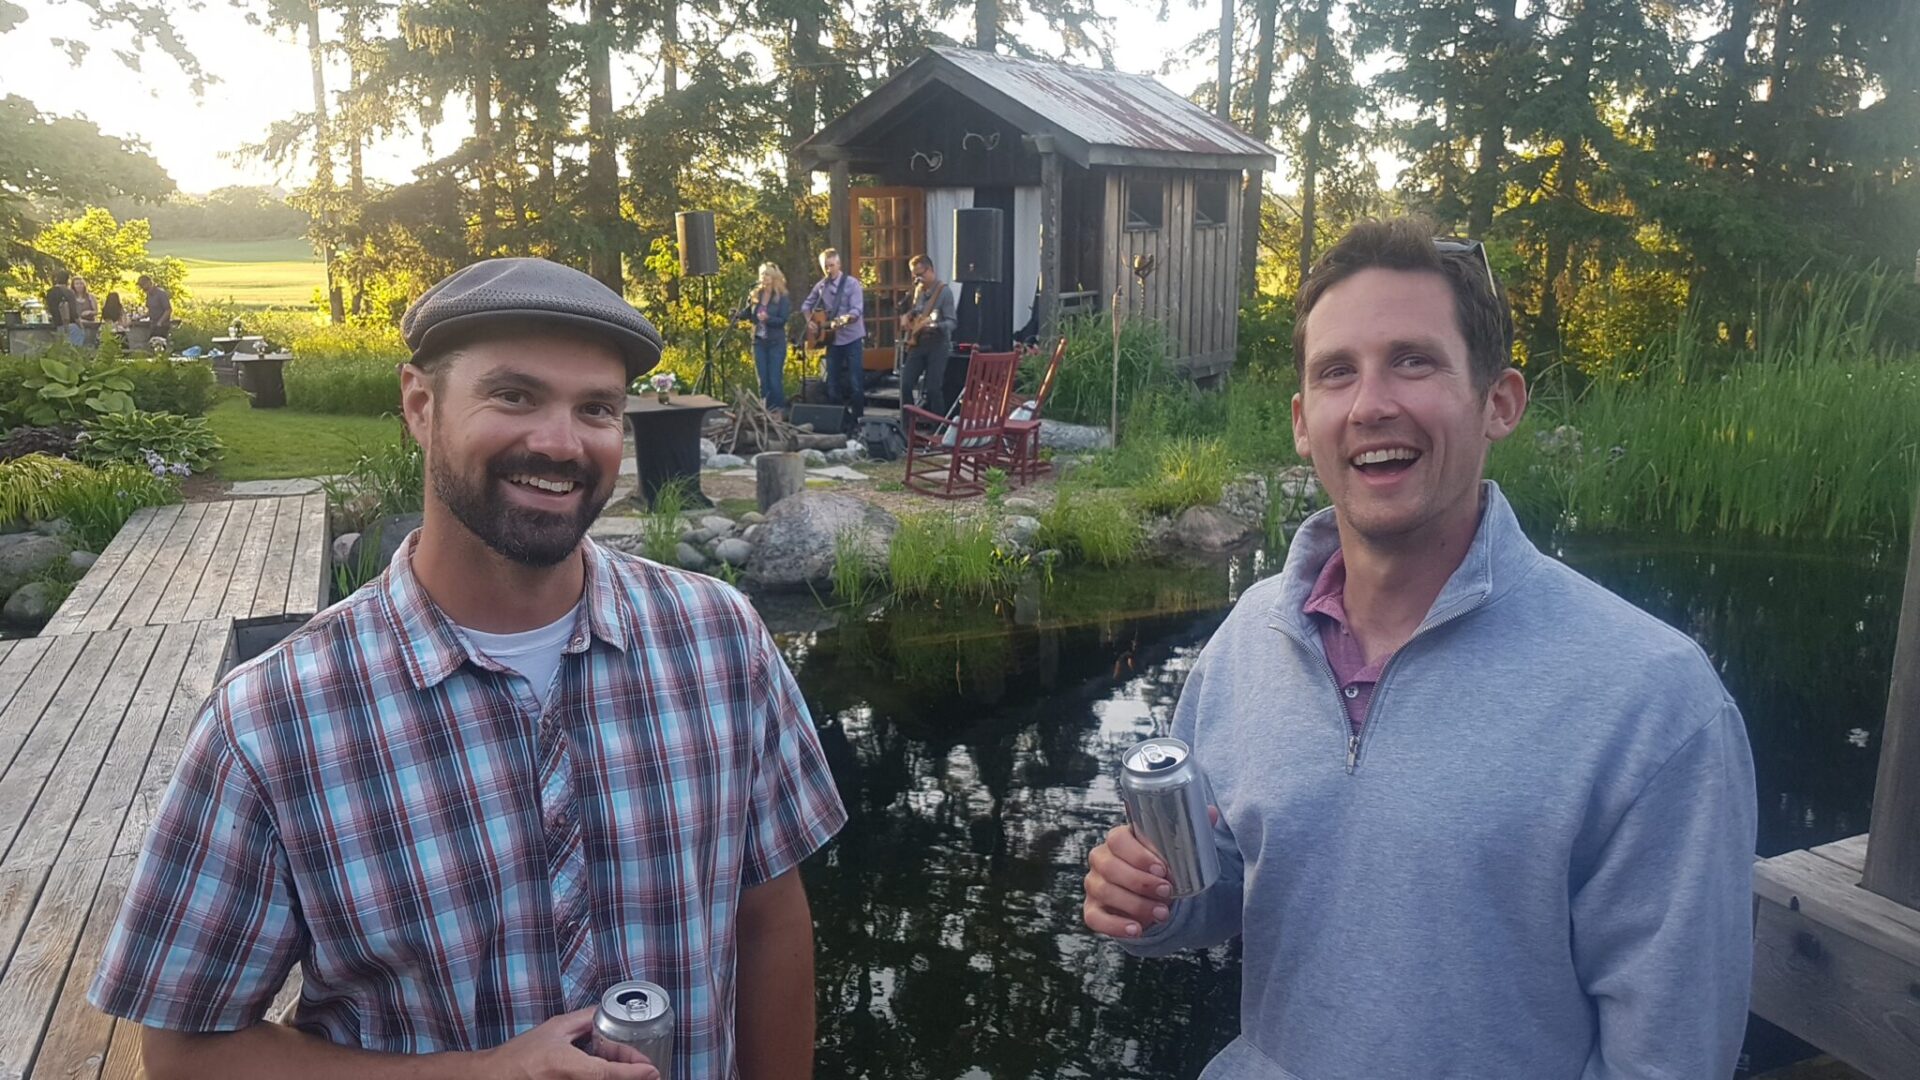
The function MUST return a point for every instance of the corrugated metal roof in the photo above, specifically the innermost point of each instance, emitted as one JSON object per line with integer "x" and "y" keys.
{"x": 1106, "y": 108}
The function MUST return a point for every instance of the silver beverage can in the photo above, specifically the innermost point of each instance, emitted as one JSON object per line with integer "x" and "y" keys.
{"x": 1166, "y": 796}
{"x": 639, "y": 1016}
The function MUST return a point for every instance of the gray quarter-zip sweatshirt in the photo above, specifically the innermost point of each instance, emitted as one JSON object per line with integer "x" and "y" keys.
{"x": 1533, "y": 864}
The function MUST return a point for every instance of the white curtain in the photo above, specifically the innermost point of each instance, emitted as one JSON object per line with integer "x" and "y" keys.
{"x": 941, "y": 203}
{"x": 1026, "y": 252}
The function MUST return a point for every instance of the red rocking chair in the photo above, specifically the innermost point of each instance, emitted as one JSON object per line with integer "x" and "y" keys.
{"x": 947, "y": 457}
{"x": 1020, "y": 445}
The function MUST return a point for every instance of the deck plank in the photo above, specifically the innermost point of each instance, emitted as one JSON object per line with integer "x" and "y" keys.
{"x": 312, "y": 583}
{"x": 80, "y": 601}
{"x": 212, "y": 589}
{"x": 79, "y": 844}
{"x": 1850, "y": 853}
{"x": 123, "y": 1053}
{"x": 269, "y": 599}
{"x": 138, "y": 610}
{"x": 249, "y": 560}
{"x": 176, "y": 596}
{"x": 24, "y": 779}
{"x": 126, "y": 577}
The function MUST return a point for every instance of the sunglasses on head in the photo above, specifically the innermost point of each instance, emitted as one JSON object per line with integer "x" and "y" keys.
{"x": 1456, "y": 245}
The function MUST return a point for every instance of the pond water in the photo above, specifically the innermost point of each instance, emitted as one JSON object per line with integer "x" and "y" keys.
{"x": 972, "y": 747}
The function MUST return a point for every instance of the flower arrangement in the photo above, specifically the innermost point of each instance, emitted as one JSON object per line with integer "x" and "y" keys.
{"x": 663, "y": 384}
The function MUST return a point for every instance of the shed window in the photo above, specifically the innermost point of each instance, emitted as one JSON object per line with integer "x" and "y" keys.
{"x": 1210, "y": 201}
{"x": 1146, "y": 204}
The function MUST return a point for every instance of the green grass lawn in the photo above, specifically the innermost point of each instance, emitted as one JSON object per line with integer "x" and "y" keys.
{"x": 253, "y": 273}
{"x": 276, "y": 444}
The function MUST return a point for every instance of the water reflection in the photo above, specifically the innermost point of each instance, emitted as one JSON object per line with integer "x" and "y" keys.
{"x": 972, "y": 747}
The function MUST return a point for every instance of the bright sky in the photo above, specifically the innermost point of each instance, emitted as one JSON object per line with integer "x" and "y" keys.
{"x": 265, "y": 77}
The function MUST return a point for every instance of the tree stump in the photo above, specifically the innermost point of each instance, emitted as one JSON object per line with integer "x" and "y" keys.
{"x": 777, "y": 476}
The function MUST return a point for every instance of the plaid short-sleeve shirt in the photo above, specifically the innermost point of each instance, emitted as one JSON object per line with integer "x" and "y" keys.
{"x": 452, "y": 859}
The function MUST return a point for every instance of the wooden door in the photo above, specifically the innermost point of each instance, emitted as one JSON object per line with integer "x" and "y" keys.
{"x": 889, "y": 228}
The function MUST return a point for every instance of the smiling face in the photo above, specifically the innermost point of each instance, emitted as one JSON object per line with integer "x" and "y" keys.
{"x": 1388, "y": 411}
{"x": 523, "y": 440}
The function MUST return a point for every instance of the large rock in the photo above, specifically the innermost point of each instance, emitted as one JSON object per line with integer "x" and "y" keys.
{"x": 725, "y": 461}
{"x": 796, "y": 543}
{"x": 717, "y": 526}
{"x": 707, "y": 450}
{"x": 82, "y": 560}
{"x": 1019, "y": 504}
{"x": 1245, "y": 497}
{"x": 390, "y": 532}
{"x": 30, "y": 605}
{"x": 733, "y": 552}
{"x": 1209, "y": 528}
{"x": 343, "y": 548}
{"x": 25, "y": 556}
{"x": 688, "y": 557}
{"x": 1017, "y": 532}
{"x": 1073, "y": 438}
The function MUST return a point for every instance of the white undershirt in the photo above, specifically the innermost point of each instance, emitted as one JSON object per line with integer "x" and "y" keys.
{"x": 534, "y": 654}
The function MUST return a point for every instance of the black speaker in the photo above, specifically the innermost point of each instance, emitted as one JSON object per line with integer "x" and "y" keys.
{"x": 826, "y": 419}
{"x": 977, "y": 251}
{"x": 699, "y": 256}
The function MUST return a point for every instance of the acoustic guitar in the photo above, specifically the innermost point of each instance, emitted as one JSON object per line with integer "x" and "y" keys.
{"x": 820, "y": 329}
{"x": 912, "y": 325}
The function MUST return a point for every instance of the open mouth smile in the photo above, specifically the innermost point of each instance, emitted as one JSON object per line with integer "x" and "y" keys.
{"x": 1384, "y": 462}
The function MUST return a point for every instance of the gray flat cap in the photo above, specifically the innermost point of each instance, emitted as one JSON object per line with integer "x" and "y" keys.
{"x": 462, "y": 306}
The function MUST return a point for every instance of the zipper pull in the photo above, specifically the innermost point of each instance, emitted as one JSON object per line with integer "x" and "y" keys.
{"x": 1353, "y": 752}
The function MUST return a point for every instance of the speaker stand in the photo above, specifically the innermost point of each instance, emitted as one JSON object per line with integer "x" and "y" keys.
{"x": 705, "y": 385}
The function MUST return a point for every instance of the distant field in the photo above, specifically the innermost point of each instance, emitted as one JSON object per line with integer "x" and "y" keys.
{"x": 253, "y": 273}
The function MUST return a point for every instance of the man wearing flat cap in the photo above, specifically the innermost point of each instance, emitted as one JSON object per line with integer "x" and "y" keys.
{"x": 514, "y": 770}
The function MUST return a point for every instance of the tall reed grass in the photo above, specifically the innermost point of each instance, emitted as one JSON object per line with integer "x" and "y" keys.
{"x": 944, "y": 554}
{"x": 1099, "y": 527}
{"x": 1813, "y": 433}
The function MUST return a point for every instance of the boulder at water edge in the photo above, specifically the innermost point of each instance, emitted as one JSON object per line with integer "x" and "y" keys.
{"x": 795, "y": 545}
{"x": 25, "y": 556}
{"x": 392, "y": 531}
{"x": 1209, "y": 528}
{"x": 31, "y": 605}
{"x": 733, "y": 552}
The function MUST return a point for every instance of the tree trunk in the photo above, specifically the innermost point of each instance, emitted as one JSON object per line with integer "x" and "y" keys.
{"x": 1490, "y": 159}
{"x": 603, "y": 173}
{"x": 1223, "y": 108}
{"x": 1312, "y": 156}
{"x": 483, "y": 154}
{"x": 323, "y": 160}
{"x": 986, "y": 25}
{"x": 1254, "y": 194}
{"x": 670, "y": 99}
{"x": 356, "y": 137}
{"x": 1731, "y": 52}
{"x": 1781, "y": 88}
{"x": 803, "y": 111}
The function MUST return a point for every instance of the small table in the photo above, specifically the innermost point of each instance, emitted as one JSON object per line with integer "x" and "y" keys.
{"x": 263, "y": 377}
{"x": 666, "y": 442}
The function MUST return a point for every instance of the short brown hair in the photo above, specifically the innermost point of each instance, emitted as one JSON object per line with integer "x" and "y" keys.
{"x": 829, "y": 253}
{"x": 1406, "y": 243}
{"x": 918, "y": 261}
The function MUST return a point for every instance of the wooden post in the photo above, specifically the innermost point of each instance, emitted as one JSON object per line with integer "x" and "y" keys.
{"x": 839, "y": 214}
{"x": 1893, "y": 843}
{"x": 1050, "y": 247}
{"x": 777, "y": 476}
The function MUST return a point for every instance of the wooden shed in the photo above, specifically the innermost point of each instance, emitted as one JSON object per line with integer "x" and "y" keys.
{"x": 1091, "y": 169}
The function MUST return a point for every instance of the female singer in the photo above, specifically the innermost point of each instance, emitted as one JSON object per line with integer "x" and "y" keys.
{"x": 768, "y": 307}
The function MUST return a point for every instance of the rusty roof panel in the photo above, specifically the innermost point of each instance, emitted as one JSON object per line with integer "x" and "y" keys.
{"x": 1106, "y": 108}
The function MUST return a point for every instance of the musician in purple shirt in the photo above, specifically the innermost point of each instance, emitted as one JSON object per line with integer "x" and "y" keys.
{"x": 839, "y": 295}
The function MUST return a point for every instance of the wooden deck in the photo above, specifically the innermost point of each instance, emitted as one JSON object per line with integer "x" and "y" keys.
{"x": 251, "y": 560}
{"x": 91, "y": 725}
{"x": 1836, "y": 964}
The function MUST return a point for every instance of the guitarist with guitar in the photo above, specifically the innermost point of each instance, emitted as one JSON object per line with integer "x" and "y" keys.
{"x": 927, "y": 328}
{"x": 833, "y": 313}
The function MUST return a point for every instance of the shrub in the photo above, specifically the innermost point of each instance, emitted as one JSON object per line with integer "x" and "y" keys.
{"x": 96, "y": 502}
{"x": 162, "y": 386}
{"x": 68, "y": 390}
{"x": 389, "y": 478}
{"x": 341, "y": 342}
{"x": 1101, "y": 527}
{"x": 138, "y": 438}
{"x": 1083, "y": 390}
{"x": 361, "y": 386}
{"x": 1188, "y": 472}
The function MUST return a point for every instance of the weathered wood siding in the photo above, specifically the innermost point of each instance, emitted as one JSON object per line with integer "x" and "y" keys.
{"x": 1194, "y": 286}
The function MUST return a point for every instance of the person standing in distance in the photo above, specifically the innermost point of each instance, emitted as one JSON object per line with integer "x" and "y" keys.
{"x": 1477, "y": 816}
{"x": 839, "y": 295}
{"x": 512, "y": 771}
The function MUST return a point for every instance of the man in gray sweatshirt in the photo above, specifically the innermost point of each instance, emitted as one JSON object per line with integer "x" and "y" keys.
{"x": 1478, "y": 817}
